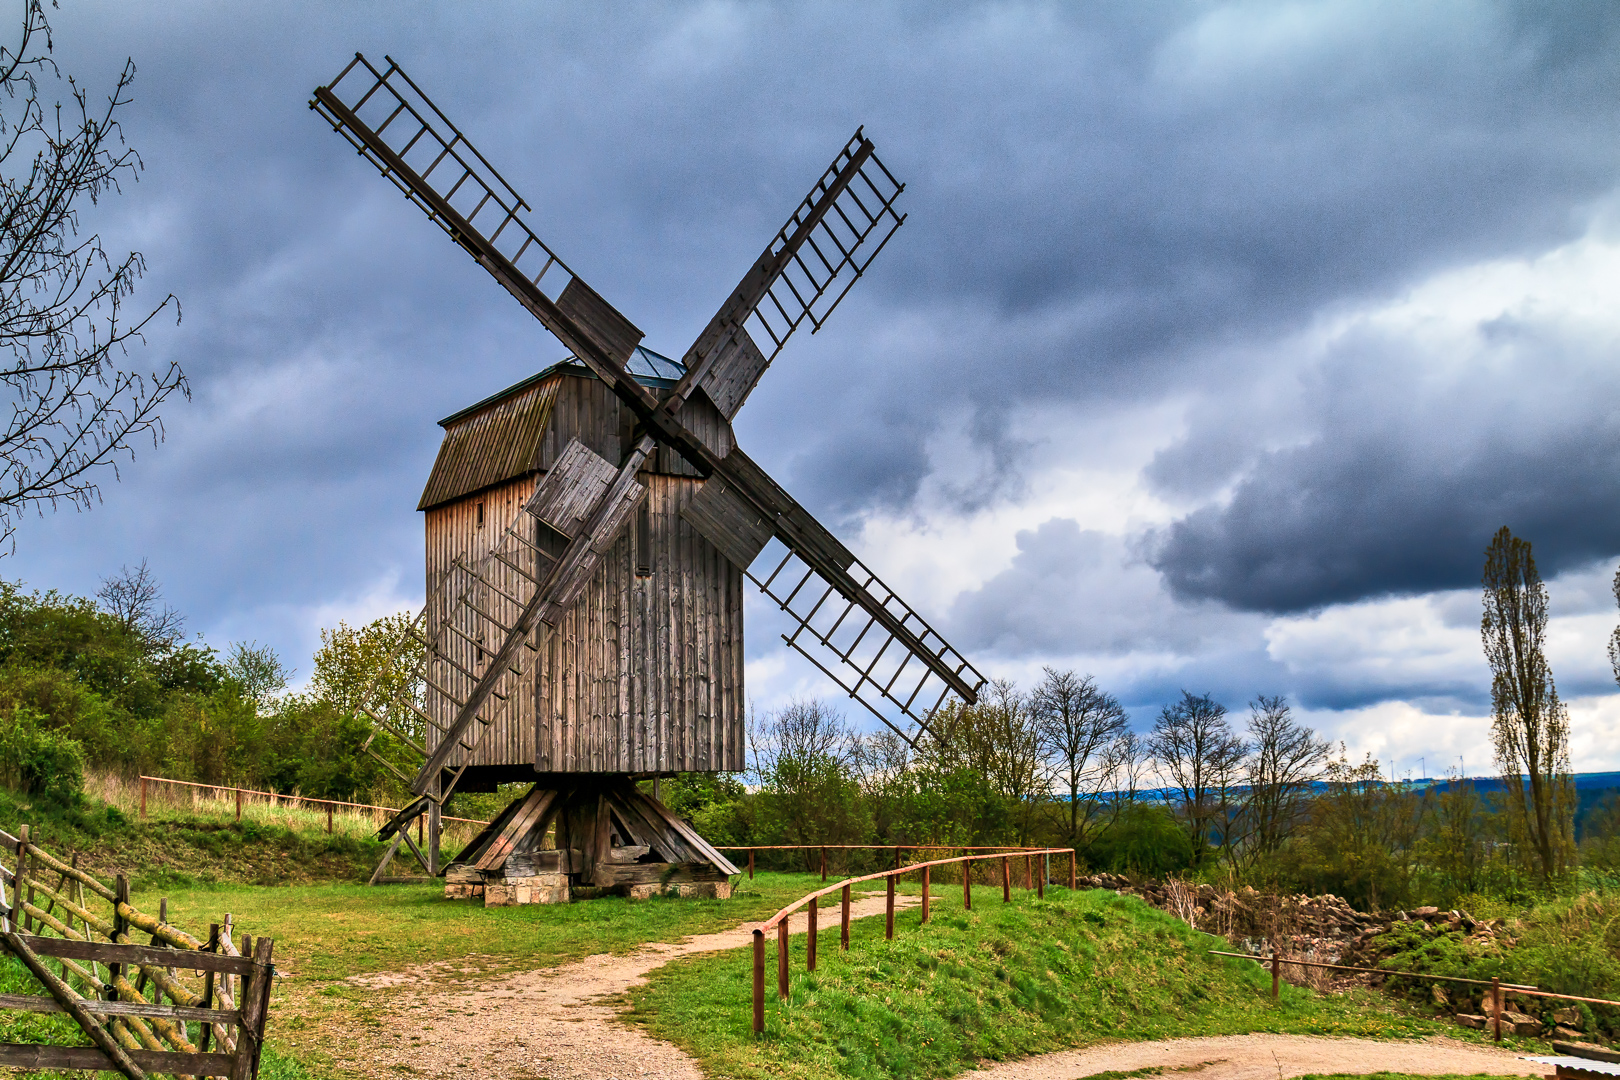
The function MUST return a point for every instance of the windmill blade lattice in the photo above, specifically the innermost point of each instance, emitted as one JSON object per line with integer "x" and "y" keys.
{"x": 853, "y": 649}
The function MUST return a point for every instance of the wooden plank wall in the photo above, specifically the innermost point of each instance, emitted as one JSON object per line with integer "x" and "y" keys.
{"x": 645, "y": 674}
{"x": 453, "y": 530}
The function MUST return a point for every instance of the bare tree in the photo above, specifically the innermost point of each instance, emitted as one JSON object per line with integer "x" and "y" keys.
{"x": 1614, "y": 638}
{"x": 1194, "y": 745}
{"x": 134, "y": 597}
{"x": 1529, "y": 725}
{"x": 63, "y": 325}
{"x": 1075, "y": 723}
{"x": 1285, "y": 760}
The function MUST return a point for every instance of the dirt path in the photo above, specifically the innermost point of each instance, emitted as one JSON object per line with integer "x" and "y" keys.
{"x": 1266, "y": 1057}
{"x": 561, "y": 1023}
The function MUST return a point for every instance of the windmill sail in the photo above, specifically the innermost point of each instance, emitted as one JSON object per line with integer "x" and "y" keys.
{"x": 808, "y": 268}
{"x": 803, "y": 274}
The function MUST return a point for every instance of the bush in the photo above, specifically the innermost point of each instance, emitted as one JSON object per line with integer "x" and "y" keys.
{"x": 38, "y": 761}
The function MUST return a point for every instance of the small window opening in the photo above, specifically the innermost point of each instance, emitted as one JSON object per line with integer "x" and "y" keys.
{"x": 644, "y": 538}
{"x": 480, "y": 515}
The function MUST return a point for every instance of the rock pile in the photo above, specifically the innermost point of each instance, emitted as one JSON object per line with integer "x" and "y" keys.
{"x": 1323, "y": 924}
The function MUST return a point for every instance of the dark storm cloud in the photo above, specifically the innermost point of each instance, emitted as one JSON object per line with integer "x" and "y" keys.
{"x": 1099, "y": 198}
{"x": 1410, "y": 473}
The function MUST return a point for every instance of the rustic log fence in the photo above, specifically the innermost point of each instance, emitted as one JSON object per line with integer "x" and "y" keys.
{"x": 900, "y": 849}
{"x": 779, "y": 921}
{"x": 1498, "y": 987}
{"x": 114, "y": 989}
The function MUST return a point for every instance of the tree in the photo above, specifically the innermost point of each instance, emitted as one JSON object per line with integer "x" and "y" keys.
{"x": 1285, "y": 760}
{"x": 1193, "y": 744}
{"x": 135, "y": 599}
{"x": 63, "y": 327}
{"x": 257, "y": 671}
{"x": 803, "y": 762}
{"x": 1075, "y": 723}
{"x": 1362, "y": 835}
{"x": 995, "y": 740}
{"x": 1529, "y": 725}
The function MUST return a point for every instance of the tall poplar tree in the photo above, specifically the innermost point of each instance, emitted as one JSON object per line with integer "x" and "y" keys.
{"x": 1529, "y": 726}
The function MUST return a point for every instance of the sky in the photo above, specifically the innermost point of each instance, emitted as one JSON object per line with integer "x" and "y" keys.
{"x": 1219, "y": 340}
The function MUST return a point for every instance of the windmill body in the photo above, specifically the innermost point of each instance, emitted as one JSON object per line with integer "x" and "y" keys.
{"x": 589, "y": 531}
{"x": 644, "y": 673}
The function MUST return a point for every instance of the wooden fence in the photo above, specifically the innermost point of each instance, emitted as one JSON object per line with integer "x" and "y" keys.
{"x": 295, "y": 802}
{"x": 1497, "y": 985}
{"x": 898, "y": 849}
{"x": 114, "y": 989}
{"x": 779, "y": 921}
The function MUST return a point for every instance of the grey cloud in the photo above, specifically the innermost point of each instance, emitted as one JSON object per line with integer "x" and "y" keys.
{"x": 1410, "y": 473}
{"x": 1102, "y": 200}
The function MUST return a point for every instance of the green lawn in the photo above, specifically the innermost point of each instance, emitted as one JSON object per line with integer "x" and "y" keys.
{"x": 1002, "y": 981}
{"x": 328, "y": 932}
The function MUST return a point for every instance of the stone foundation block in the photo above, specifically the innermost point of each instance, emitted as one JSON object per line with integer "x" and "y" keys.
{"x": 699, "y": 890}
{"x": 539, "y": 889}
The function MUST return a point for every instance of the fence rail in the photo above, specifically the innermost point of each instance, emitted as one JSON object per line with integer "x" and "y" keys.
{"x": 1002, "y": 849}
{"x": 276, "y": 799}
{"x": 779, "y": 921}
{"x": 114, "y": 988}
{"x": 1497, "y": 985}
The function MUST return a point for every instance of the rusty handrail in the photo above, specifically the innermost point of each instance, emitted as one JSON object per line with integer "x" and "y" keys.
{"x": 1496, "y": 985}
{"x": 780, "y": 919}
{"x": 1009, "y": 849}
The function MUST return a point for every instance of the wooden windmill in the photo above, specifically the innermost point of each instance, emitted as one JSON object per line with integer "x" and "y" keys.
{"x": 589, "y": 530}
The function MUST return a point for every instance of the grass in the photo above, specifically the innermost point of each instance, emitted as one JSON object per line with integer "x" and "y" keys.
{"x": 999, "y": 982}
{"x": 331, "y": 931}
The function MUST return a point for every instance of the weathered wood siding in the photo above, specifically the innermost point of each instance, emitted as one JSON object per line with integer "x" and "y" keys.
{"x": 453, "y": 531}
{"x": 644, "y": 674}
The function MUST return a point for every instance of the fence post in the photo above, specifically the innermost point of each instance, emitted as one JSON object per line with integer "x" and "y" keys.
{"x": 782, "y": 958}
{"x": 1073, "y": 882}
{"x": 1029, "y": 872}
{"x": 143, "y": 797}
{"x": 843, "y": 930}
{"x": 20, "y": 893}
{"x": 823, "y": 864}
{"x": 239, "y": 806}
{"x": 810, "y": 939}
{"x": 759, "y": 979}
{"x": 1276, "y": 974}
{"x": 925, "y": 892}
{"x": 1006, "y": 879}
{"x": 897, "y": 856}
{"x": 1040, "y": 884}
{"x": 1496, "y": 1008}
{"x": 328, "y": 819}
{"x": 888, "y": 914}
{"x": 967, "y": 886}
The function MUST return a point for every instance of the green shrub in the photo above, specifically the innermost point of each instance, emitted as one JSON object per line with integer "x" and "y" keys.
{"x": 38, "y": 761}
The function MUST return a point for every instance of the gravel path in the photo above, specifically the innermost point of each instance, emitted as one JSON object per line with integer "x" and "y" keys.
{"x": 443, "y": 1020}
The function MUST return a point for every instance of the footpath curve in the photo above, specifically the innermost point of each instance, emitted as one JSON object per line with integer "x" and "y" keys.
{"x": 563, "y": 1023}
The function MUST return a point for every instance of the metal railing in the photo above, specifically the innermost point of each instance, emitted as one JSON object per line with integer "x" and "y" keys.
{"x": 779, "y": 921}
{"x": 1497, "y": 985}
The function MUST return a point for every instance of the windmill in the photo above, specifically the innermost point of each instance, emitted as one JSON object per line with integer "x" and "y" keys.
{"x": 588, "y": 531}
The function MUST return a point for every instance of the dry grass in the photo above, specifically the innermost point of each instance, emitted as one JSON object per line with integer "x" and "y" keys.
{"x": 299, "y": 815}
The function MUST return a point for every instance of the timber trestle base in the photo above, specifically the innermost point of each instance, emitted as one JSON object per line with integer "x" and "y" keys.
{"x": 600, "y": 836}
